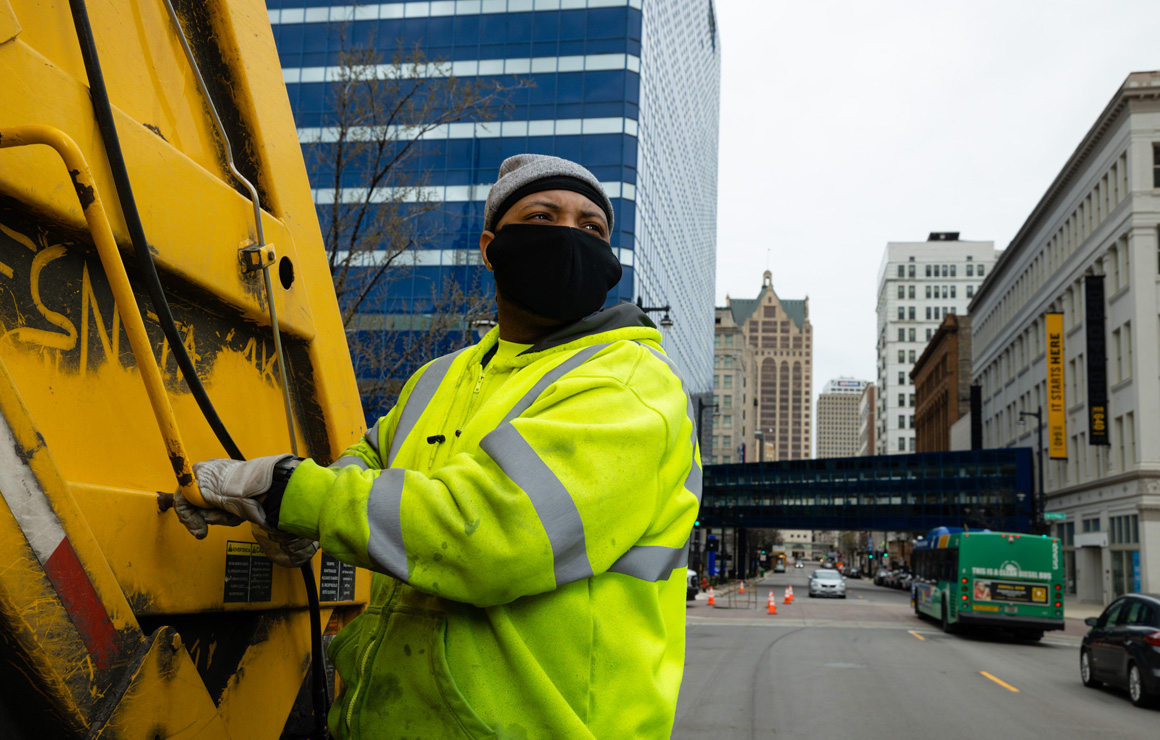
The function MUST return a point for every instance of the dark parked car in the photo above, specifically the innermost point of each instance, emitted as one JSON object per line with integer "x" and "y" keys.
{"x": 1122, "y": 648}
{"x": 853, "y": 571}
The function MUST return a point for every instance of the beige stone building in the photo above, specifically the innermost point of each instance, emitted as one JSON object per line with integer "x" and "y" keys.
{"x": 734, "y": 384}
{"x": 779, "y": 405}
{"x": 839, "y": 421}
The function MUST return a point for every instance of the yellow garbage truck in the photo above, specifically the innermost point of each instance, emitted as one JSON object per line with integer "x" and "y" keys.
{"x": 164, "y": 298}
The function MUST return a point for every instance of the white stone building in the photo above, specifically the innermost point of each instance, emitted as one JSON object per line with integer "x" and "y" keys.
{"x": 918, "y": 284}
{"x": 1099, "y": 217}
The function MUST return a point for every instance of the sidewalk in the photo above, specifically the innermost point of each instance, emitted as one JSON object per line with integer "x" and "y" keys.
{"x": 1081, "y": 610}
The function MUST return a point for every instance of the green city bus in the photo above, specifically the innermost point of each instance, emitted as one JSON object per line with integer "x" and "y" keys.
{"x": 999, "y": 580}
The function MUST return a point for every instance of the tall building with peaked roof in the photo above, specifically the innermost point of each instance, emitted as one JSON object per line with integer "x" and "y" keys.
{"x": 778, "y": 332}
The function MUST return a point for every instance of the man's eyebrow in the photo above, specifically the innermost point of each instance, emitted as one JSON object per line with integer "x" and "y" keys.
{"x": 542, "y": 204}
{"x": 594, "y": 214}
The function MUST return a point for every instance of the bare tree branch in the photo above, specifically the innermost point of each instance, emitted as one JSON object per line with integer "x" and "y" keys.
{"x": 368, "y": 150}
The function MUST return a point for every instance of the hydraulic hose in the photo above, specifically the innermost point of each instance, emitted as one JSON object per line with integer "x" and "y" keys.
{"x": 107, "y": 127}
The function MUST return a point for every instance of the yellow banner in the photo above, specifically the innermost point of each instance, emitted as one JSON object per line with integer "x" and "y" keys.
{"x": 1056, "y": 405}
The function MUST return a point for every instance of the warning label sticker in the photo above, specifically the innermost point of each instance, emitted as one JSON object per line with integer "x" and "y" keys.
{"x": 336, "y": 582}
{"x": 249, "y": 573}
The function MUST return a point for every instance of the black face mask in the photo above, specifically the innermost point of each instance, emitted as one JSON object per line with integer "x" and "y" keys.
{"x": 555, "y": 271}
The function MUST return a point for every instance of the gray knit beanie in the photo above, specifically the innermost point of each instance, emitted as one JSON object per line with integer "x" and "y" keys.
{"x": 522, "y": 170}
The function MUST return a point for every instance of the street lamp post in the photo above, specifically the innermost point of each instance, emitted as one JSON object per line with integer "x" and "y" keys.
{"x": 666, "y": 323}
{"x": 1040, "y": 519}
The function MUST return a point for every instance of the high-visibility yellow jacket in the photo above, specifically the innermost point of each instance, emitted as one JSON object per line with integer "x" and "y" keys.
{"x": 532, "y": 551}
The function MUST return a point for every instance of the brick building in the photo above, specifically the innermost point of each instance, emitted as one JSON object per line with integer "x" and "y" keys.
{"x": 942, "y": 384}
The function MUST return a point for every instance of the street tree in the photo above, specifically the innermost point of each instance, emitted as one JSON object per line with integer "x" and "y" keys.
{"x": 368, "y": 159}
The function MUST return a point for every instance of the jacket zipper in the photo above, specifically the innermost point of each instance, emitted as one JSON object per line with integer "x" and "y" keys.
{"x": 470, "y": 405}
{"x": 362, "y": 669}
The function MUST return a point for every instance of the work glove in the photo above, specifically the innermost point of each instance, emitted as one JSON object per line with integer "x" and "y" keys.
{"x": 287, "y": 550}
{"x": 237, "y": 486}
{"x": 197, "y": 519}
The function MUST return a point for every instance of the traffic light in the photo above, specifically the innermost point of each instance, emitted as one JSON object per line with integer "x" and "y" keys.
{"x": 697, "y": 523}
{"x": 871, "y": 556}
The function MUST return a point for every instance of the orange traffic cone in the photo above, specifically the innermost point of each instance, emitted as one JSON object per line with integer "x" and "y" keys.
{"x": 772, "y": 605}
{"x": 789, "y": 594}
{"x": 712, "y": 599}
{"x": 742, "y": 591}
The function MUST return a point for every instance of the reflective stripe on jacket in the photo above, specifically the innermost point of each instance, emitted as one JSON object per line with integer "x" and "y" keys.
{"x": 533, "y": 548}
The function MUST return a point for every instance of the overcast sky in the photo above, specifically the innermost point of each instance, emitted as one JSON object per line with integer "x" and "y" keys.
{"x": 846, "y": 124}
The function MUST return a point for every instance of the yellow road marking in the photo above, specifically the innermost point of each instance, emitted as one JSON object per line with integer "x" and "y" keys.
{"x": 1004, "y": 684}
{"x": 917, "y": 635}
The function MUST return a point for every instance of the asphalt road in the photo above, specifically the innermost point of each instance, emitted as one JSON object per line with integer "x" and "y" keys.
{"x": 866, "y": 667}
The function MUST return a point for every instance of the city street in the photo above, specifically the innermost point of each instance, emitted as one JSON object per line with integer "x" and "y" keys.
{"x": 866, "y": 667}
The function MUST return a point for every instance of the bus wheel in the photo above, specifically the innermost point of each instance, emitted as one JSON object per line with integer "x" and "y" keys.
{"x": 947, "y": 627}
{"x": 1085, "y": 670}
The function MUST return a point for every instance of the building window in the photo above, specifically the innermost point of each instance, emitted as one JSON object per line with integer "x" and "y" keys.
{"x": 901, "y": 378}
{"x": 901, "y": 421}
{"x": 980, "y": 271}
{"x": 911, "y": 353}
{"x": 716, "y": 380}
{"x": 901, "y": 291}
{"x": 970, "y": 269}
{"x": 902, "y": 271}
{"x": 944, "y": 291}
{"x": 728, "y": 401}
{"x": 901, "y": 313}
{"x": 953, "y": 292}
{"x": 901, "y": 444}
{"x": 912, "y": 444}
{"x": 728, "y": 381}
{"x": 902, "y": 335}
{"x": 928, "y": 311}
{"x": 970, "y": 290}
{"x": 910, "y": 292}
{"x": 911, "y": 400}
{"x": 928, "y": 291}
{"x": 902, "y": 355}
{"x": 1091, "y": 525}
{"x": 945, "y": 272}
{"x": 952, "y": 270}
{"x": 728, "y": 340}
{"x": 911, "y": 270}
{"x": 929, "y": 334}
{"x": 911, "y": 335}
{"x": 901, "y": 399}
{"x": 728, "y": 440}
{"x": 928, "y": 270}
{"x": 1156, "y": 165}
{"x": 728, "y": 360}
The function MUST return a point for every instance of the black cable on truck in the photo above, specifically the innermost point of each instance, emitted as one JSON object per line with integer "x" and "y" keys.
{"x": 107, "y": 127}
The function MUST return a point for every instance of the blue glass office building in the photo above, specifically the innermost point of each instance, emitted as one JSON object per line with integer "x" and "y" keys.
{"x": 628, "y": 88}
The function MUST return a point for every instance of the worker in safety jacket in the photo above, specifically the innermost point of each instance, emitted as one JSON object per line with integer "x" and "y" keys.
{"x": 526, "y": 506}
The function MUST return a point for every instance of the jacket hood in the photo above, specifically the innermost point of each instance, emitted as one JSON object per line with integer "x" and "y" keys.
{"x": 626, "y": 320}
{"x": 621, "y": 316}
